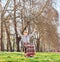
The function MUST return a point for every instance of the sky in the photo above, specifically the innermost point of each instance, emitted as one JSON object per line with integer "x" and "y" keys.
{"x": 58, "y": 9}
{"x": 56, "y": 5}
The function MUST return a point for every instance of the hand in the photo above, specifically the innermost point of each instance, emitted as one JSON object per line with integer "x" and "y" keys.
{"x": 35, "y": 30}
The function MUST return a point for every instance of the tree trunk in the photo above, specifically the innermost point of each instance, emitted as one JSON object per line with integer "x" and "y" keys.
{"x": 38, "y": 45}
{"x": 15, "y": 27}
{"x": 8, "y": 38}
{"x": 2, "y": 45}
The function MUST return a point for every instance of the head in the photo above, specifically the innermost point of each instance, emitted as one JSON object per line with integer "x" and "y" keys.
{"x": 25, "y": 33}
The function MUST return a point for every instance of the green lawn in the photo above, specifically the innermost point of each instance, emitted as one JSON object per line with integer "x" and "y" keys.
{"x": 19, "y": 57}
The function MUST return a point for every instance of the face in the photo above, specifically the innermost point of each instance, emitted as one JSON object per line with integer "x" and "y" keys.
{"x": 25, "y": 33}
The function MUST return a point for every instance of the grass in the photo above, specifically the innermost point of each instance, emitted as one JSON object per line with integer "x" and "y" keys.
{"x": 39, "y": 57}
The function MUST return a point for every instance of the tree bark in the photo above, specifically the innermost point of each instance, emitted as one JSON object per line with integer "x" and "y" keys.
{"x": 2, "y": 45}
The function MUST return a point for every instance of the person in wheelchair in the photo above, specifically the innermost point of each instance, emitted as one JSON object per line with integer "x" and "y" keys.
{"x": 29, "y": 49}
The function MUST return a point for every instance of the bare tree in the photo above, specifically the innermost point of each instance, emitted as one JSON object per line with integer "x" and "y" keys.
{"x": 30, "y": 14}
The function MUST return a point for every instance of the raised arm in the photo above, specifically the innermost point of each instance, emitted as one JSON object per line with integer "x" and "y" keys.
{"x": 32, "y": 33}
